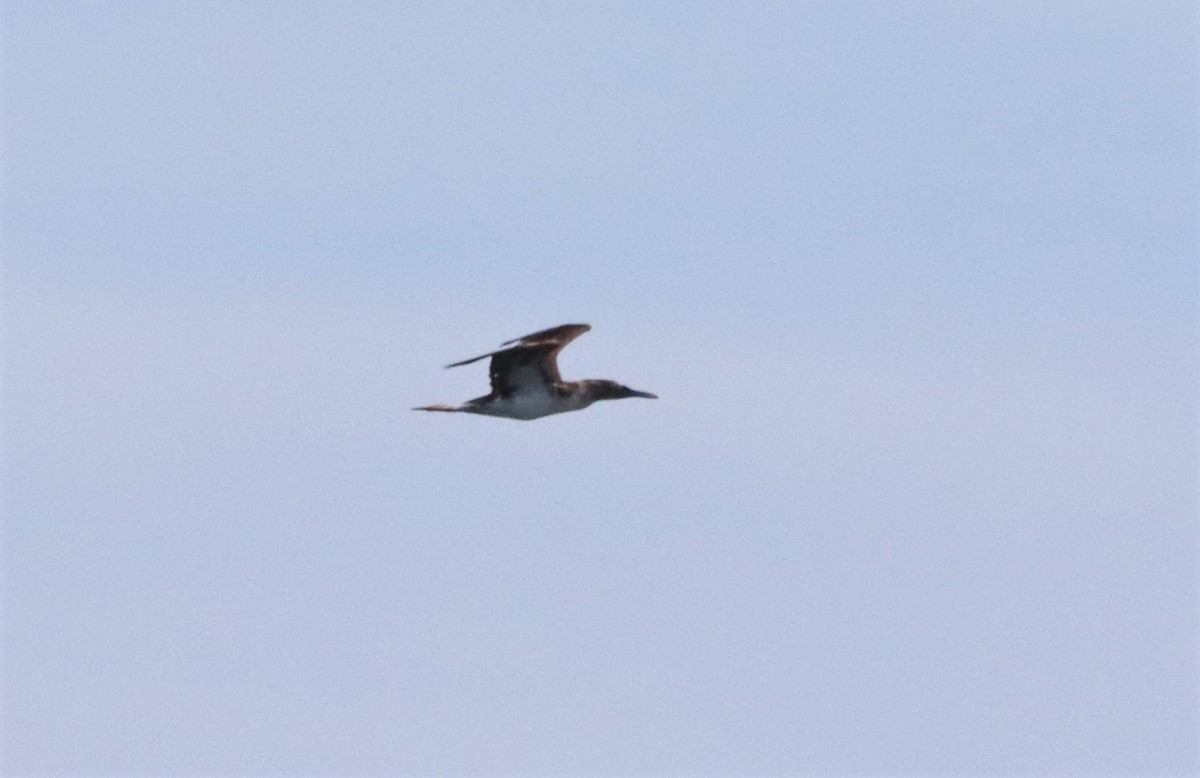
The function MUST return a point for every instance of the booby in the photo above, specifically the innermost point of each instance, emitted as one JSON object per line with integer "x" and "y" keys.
{"x": 526, "y": 383}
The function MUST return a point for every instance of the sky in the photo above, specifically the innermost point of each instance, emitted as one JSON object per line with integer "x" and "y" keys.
{"x": 915, "y": 283}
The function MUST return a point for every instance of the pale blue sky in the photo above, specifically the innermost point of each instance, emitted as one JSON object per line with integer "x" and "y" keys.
{"x": 915, "y": 282}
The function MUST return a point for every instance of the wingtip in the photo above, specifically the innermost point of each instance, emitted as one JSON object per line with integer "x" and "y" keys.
{"x": 582, "y": 328}
{"x": 466, "y": 361}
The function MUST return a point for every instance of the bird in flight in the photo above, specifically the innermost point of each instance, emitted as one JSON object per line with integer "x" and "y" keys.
{"x": 526, "y": 383}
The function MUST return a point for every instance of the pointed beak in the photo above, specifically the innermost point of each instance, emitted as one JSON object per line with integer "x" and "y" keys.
{"x": 647, "y": 395}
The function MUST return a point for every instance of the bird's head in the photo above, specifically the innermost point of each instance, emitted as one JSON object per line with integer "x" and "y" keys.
{"x": 611, "y": 390}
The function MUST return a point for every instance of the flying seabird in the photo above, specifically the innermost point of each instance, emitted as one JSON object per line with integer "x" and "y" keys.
{"x": 526, "y": 383}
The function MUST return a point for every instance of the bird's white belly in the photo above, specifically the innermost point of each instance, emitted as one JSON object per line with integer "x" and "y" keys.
{"x": 532, "y": 405}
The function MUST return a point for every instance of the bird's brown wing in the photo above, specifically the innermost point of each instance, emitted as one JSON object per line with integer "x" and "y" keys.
{"x": 562, "y": 335}
{"x": 532, "y": 361}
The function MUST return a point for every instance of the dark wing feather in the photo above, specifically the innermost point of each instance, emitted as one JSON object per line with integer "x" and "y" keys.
{"x": 531, "y": 361}
{"x": 562, "y": 335}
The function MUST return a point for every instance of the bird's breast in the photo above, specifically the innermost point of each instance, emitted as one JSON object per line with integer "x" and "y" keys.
{"x": 534, "y": 404}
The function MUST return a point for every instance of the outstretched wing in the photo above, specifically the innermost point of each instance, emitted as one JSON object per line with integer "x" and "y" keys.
{"x": 562, "y": 335}
{"x": 531, "y": 362}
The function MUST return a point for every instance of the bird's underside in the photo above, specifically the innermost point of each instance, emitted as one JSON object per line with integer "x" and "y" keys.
{"x": 526, "y": 383}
